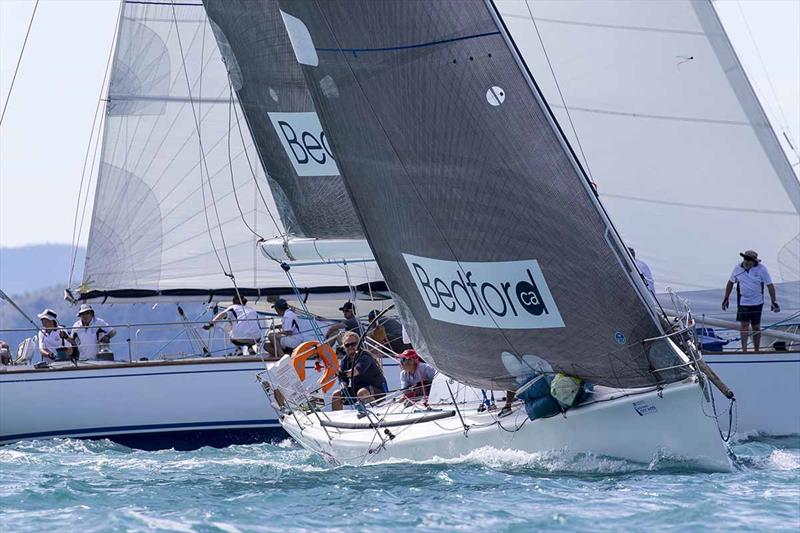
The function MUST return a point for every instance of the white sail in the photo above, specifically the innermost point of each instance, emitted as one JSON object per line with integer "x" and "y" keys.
{"x": 182, "y": 198}
{"x": 660, "y": 112}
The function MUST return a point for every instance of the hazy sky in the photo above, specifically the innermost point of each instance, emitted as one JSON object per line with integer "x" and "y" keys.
{"x": 44, "y": 135}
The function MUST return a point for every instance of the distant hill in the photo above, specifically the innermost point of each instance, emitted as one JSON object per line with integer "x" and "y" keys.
{"x": 30, "y": 268}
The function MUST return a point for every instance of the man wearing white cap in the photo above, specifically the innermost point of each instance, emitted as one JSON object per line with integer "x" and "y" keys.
{"x": 750, "y": 277}
{"x": 52, "y": 337}
{"x": 89, "y": 331}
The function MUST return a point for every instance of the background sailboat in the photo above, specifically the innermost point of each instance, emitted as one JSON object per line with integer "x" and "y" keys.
{"x": 181, "y": 202}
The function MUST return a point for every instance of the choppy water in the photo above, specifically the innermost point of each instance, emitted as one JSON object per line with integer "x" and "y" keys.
{"x": 70, "y": 485}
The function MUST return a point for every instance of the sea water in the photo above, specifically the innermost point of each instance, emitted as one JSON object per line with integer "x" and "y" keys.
{"x": 73, "y": 485}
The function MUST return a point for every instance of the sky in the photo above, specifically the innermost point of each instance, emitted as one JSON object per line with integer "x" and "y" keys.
{"x": 44, "y": 135}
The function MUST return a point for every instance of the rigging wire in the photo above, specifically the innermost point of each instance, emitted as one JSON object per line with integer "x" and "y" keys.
{"x": 253, "y": 172}
{"x": 785, "y": 123}
{"x": 230, "y": 168}
{"x": 76, "y": 229}
{"x": 561, "y": 96}
{"x": 19, "y": 62}
{"x": 228, "y": 273}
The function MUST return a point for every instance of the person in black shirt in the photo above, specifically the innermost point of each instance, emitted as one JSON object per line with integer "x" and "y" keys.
{"x": 361, "y": 376}
{"x": 350, "y": 322}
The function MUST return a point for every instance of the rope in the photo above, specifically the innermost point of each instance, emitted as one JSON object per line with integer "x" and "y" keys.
{"x": 77, "y": 230}
{"x": 252, "y": 171}
{"x": 784, "y": 123}
{"x": 230, "y": 166}
{"x": 561, "y": 95}
{"x": 19, "y": 61}
{"x": 229, "y": 272}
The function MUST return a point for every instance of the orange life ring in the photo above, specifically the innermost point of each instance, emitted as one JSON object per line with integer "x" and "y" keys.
{"x": 325, "y": 353}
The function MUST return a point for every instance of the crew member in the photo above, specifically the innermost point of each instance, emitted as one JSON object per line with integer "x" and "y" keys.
{"x": 290, "y": 335}
{"x": 51, "y": 337}
{"x": 750, "y": 277}
{"x": 361, "y": 375}
{"x": 350, "y": 322}
{"x": 392, "y": 335}
{"x": 89, "y": 331}
{"x": 415, "y": 377}
{"x": 245, "y": 327}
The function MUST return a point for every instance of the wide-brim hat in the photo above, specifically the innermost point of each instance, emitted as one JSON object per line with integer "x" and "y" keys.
{"x": 85, "y": 308}
{"x": 49, "y": 314}
{"x": 752, "y": 255}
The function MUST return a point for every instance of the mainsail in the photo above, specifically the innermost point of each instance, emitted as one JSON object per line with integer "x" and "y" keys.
{"x": 181, "y": 198}
{"x": 271, "y": 88}
{"x": 486, "y": 231}
{"x": 661, "y": 113}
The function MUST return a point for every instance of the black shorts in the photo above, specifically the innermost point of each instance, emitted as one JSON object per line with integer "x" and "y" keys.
{"x": 749, "y": 314}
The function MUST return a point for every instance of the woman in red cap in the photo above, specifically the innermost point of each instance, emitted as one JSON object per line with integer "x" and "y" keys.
{"x": 416, "y": 377}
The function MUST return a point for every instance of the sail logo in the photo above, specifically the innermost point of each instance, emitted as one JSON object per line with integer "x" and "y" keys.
{"x": 506, "y": 294}
{"x": 305, "y": 143}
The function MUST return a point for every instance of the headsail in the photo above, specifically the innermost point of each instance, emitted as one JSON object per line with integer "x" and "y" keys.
{"x": 271, "y": 88}
{"x": 489, "y": 237}
{"x": 172, "y": 219}
{"x": 672, "y": 133}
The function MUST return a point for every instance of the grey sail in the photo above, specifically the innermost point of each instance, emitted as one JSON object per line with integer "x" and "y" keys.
{"x": 293, "y": 148}
{"x": 484, "y": 227}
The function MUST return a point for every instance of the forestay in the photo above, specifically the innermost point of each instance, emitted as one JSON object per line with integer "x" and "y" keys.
{"x": 660, "y": 111}
{"x": 182, "y": 198}
{"x": 484, "y": 228}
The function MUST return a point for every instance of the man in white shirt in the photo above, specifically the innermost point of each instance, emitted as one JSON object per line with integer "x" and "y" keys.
{"x": 89, "y": 331}
{"x": 51, "y": 337}
{"x": 290, "y": 335}
{"x": 245, "y": 326}
{"x": 750, "y": 277}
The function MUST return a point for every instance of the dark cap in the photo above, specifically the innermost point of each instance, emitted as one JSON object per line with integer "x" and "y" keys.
{"x": 372, "y": 315}
{"x": 280, "y": 303}
{"x": 347, "y": 306}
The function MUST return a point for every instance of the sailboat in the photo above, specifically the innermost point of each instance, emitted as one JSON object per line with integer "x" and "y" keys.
{"x": 181, "y": 205}
{"x": 502, "y": 261}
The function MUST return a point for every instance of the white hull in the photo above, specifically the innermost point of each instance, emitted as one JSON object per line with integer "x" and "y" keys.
{"x": 156, "y": 404}
{"x": 767, "y": 389}
{"x": 669, "y": 424}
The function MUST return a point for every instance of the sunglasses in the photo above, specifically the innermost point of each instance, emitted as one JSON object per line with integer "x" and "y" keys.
{"x": 350, "y": 344}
